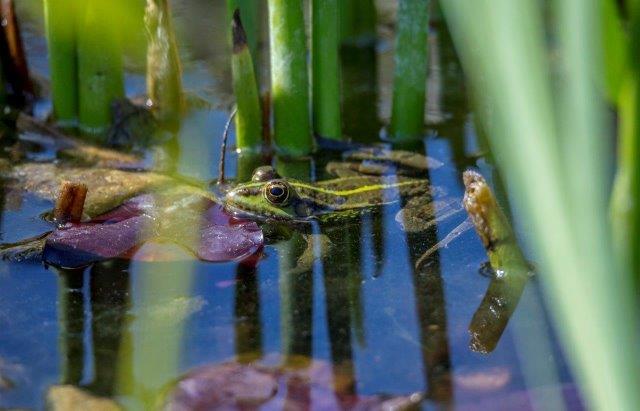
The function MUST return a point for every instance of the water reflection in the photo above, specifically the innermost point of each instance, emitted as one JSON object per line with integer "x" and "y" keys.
{"x": 492, "y": 316}
{"x": 93, "y": 303}
{"x": 248, "y": 329}
{"x": 350, "y": 300}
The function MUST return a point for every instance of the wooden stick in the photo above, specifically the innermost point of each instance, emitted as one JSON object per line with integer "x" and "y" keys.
{"x": 70, "y": 203}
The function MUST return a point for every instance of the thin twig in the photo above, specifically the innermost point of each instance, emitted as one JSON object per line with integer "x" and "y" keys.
{"x": 223, "y": 149}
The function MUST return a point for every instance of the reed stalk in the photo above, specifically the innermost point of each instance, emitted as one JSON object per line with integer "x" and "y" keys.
{"x": 625, "y": 199}
{"x": 248, "y": 117}
{"x": 164, "y": 73}
{"x": 410, "y": 75}
{"x": 357, "y": 22}
{"x": 60, "y": 23}
{"x": 250, "y": 12}
{"x": 289, "y": 79}
{"x": 3, "y": 69}
{"x": 625, "y": 207}
{"x": 326, "y": 69}
{"x": 21, "y": 82}
{"x": 100, "y": 69}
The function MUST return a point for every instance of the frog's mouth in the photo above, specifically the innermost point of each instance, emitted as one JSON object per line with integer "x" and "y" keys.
{"x": 247, "y": 205}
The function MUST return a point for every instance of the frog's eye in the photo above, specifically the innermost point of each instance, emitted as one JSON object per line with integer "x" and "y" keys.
{"x": 264, "y": 174}
{"x": 276, "y": 192}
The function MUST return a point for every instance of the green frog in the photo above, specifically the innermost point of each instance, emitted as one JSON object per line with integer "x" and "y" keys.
{"x": 367, "y": 179}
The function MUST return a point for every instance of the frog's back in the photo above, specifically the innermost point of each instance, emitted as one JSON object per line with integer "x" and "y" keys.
{"x": 364, "y": 191}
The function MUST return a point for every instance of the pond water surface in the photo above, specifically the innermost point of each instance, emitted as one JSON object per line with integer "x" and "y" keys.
{"x": 128, "y": 329}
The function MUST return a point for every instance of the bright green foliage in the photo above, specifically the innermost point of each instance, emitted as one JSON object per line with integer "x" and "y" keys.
{"x": 326, "y": 69}
{"x": 249, "y": 116}
{"x": 100, "y": 70}
{"x": 289, "y": 78}
{"x": 250, "y": 13}
{"x": 410, "y": 76}
{"x": 61, "y": 41}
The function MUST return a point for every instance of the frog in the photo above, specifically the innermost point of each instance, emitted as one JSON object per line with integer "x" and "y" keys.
{"x": 366, "y": 180}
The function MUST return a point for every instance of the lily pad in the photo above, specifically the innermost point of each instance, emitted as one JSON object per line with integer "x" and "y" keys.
{"x": 313, "y": 385}
{"x": 195, "y": 223}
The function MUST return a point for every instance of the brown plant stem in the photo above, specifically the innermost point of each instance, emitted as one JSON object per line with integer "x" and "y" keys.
{"x": 70, "y": 203}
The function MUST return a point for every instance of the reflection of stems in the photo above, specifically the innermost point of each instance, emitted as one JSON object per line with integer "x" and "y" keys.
{"x": 492, "y": 316}
{"x": 296, "y": 288}
{"x": 432, "y": 317}
{"x": 354, "y": 281}
{"x": 338, "y": 298}
{"x": 296, "y": 295}
{"x": 71, "y": 320}
{"x": 247, "y": 314}
{"x": 430, "y": 306}
{"x": 164, "y": 74}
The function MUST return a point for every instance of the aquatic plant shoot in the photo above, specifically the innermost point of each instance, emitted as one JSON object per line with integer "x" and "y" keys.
{"x": 289, "y": 78}
{"x": 248, "y": 119}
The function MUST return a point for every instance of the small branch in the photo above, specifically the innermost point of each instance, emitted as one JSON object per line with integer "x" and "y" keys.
{"x": 19, "y": 76}
{"x": 223, "y": 148}
{"x": 70, "y": 203}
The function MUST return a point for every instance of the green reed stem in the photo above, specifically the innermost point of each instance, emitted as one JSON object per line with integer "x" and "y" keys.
{"x": 164, "y": 73}
{"x": 326, "y": 69}
{"x": 616, "y": 47}
{"x": 248, "y": 117}
{"x": 625, "y": 199}
{"x": 250, "y": 12}
{"x": 100, "y": 70}
{"x": 289, "y": 79}
{"x": 357, "y": 22}
{"x": 60, "y": 22}
{"x": 410, "y": 76}
{"x": 625, "y": 207}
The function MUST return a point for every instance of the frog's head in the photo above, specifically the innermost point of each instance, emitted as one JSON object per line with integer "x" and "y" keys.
{"x": 268, "y": 197}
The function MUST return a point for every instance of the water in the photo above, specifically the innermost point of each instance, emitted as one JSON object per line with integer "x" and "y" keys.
{"x": 128, "y": 329}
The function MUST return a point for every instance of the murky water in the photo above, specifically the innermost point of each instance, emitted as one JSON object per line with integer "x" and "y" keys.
{"x": 128, "y": 329}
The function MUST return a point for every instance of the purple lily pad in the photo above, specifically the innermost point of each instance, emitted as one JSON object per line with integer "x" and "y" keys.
{"x": 237, "y": 386}
{"x": 120, "y": 232}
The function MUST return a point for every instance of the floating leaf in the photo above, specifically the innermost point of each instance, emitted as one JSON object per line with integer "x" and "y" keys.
{"x": 236, "y": 386}
{"x": 141, "y": 228}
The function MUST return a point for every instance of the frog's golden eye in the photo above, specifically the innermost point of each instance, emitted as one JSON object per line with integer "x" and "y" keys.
{"x": 276, "y": 192}
{"x": 264, "y": 174}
